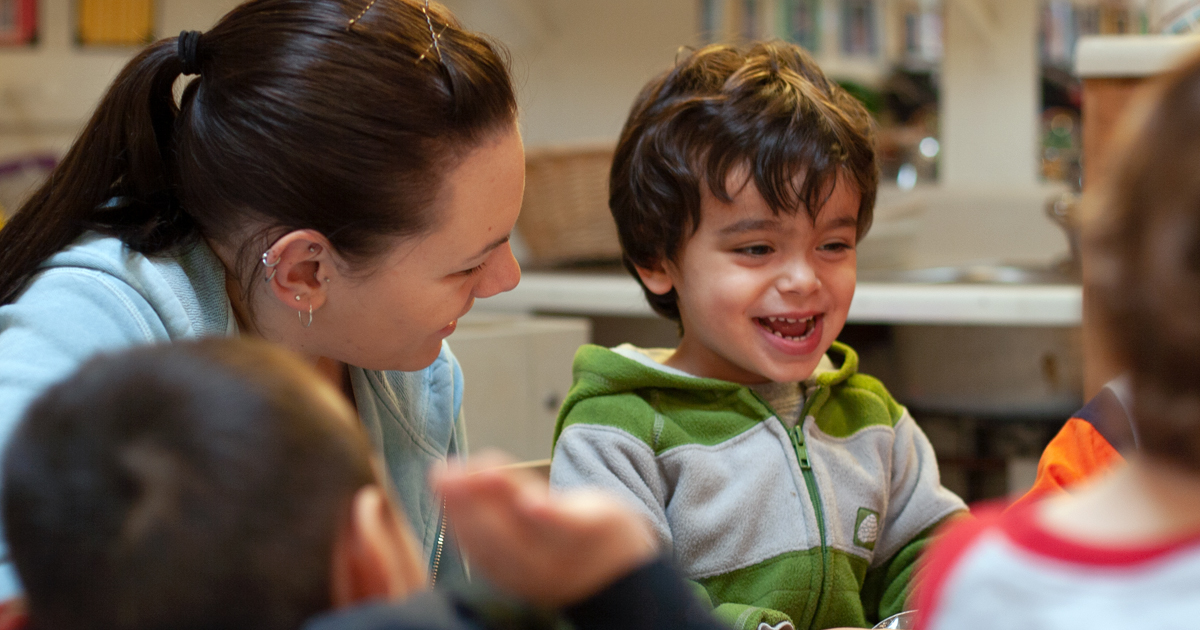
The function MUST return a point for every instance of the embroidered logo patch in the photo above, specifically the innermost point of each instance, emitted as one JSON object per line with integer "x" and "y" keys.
{"x": 866, "y": 528}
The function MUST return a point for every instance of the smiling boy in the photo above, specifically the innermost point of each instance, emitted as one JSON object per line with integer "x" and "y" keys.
{"x": 796, "y": 492}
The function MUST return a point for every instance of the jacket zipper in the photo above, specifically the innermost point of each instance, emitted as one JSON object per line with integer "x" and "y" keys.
{"x": 437, "y": 551}
{"x": 810, "y": 481}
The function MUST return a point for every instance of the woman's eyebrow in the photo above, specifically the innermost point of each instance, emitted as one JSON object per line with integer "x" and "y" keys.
{"x": 490, "y": 246}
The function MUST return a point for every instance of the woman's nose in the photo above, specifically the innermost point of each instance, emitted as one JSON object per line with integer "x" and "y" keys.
{"x": 501, "y": 274}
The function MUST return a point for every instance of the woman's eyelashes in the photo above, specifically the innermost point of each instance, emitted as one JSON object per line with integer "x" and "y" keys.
{"x": 473, "y": 270}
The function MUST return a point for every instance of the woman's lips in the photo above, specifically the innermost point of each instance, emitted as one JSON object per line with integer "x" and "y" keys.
{"x": 449, "y": 329}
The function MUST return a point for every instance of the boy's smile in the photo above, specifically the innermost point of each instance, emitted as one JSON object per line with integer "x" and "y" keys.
{"x": 761, "y": 296}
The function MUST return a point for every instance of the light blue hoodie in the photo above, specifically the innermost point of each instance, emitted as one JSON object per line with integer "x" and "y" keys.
{"x": 98, "y": 295}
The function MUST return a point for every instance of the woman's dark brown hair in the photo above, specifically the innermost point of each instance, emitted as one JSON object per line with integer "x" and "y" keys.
{"x": 298, "y": 120}
{"x": 768, "y": 108}
{"x": 1142, "y": 254}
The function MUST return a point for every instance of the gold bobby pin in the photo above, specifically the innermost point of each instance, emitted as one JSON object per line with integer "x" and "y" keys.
{"x": 358, "y": 17}
{"x": 435, "y": 46}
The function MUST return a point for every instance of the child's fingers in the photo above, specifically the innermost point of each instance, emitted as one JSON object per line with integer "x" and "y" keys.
{"x": 488, "y": 505}
{"x": 575, "y": 513}
{"x": 490, "y": 479}
{"x": 456, "y": 468}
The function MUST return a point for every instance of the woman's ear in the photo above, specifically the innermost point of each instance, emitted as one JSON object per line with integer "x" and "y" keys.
{"x": 657, "y": 278}
{"x": 375, "y": 555}
{"x": 300, "y": 266}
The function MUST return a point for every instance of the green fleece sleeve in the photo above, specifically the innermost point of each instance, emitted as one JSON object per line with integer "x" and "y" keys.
{"x": 886, "y": 587}
{"x": 739, "y": 616}
{"x": 745, "y": 617}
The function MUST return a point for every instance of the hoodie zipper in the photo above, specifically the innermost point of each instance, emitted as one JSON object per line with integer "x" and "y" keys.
{"x": 810, "y": 481}
{"x": 437, "y": 551}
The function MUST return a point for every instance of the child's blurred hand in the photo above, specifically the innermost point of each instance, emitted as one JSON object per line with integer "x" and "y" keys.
{"x": 549, "y": 549}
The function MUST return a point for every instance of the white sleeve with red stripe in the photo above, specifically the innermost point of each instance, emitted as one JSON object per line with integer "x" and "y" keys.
{"x": 1010, "y": 573}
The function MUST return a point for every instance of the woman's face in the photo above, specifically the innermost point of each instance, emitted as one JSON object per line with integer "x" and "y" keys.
{"x": 396, "y": 316}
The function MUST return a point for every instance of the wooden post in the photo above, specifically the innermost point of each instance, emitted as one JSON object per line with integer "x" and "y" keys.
{"x": 1104, "y": 102}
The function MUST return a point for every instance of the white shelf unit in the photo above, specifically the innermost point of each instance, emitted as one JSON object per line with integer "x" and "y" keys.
{"x": 875, "y": 303}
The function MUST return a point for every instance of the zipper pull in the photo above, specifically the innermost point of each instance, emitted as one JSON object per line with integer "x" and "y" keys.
{"x": 801, "y": 449}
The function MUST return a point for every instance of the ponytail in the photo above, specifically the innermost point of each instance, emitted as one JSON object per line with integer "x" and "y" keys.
{"x": 116, "y": 178}
{"x": 304, "y": 117}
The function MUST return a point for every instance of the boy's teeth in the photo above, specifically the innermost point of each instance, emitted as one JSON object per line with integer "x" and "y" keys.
{"x": 792, "y": 329}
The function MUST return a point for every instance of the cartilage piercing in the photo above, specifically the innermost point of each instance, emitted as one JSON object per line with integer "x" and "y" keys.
{"x": 270, "y": 265}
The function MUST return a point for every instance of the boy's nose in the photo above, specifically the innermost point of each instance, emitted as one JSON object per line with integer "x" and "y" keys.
{"x": 797, "y": 277}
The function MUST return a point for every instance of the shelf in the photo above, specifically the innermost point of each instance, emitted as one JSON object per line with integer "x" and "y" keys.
{"x": 874, "y": 303}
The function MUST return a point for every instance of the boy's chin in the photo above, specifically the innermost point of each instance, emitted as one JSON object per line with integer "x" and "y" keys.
{"x": 791, "y": 372}
{"x": 795, "y": 368}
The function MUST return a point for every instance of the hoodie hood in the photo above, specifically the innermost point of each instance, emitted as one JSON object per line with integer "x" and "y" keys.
{"x": 186, "y": 287}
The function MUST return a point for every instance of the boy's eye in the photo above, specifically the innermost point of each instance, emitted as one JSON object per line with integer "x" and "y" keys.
{"x": 837, "y": 247}
{"x": 755, "y": 250}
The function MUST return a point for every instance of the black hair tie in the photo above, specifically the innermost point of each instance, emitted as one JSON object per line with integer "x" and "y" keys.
{"x": 189, "y": 52}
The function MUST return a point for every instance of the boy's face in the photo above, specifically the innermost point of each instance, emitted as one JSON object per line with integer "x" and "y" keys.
{"x": 762, "y": 297}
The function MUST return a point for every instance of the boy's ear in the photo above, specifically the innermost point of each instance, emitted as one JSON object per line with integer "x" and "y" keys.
{"x": 375, "y": 556}
{"x": 656, "y": 278}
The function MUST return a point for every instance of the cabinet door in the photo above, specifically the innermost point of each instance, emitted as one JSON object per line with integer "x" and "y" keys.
{"x": 516, "y": 373}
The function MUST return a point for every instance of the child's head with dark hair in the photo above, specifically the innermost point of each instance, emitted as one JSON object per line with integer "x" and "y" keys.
{"x": 1143, "y": 265}
{"x": 186, "y": 486}
{"x": 778, "y": 162}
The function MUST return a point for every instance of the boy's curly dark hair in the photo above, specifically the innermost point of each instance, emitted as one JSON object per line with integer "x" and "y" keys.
{"x": 768, "y": 108}
{"x": 1143, "y": 264}
{"x": 193, "y": 485}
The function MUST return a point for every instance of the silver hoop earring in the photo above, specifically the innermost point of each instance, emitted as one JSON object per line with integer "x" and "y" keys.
{"x": 270, "y": 265}
{"x": 300, "y": 314}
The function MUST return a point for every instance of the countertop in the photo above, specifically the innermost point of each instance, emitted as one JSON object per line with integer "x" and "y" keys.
{"x": 1116, "y": 56}
{"x": 614, "y": 293}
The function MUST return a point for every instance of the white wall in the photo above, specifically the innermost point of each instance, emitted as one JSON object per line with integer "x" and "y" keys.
{"x": 48, "y": 90}
{"x": 990, "y": 108}
{"x": 579, "y": 64}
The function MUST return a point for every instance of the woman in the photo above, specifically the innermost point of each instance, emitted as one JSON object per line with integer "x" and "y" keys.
{"x": 341, "y": 178}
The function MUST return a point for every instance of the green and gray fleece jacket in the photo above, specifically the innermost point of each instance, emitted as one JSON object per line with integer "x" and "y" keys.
{"x": 815, "y": 526}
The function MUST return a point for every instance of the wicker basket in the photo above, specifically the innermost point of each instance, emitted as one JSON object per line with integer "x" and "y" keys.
{"x": 564, "y": 218}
